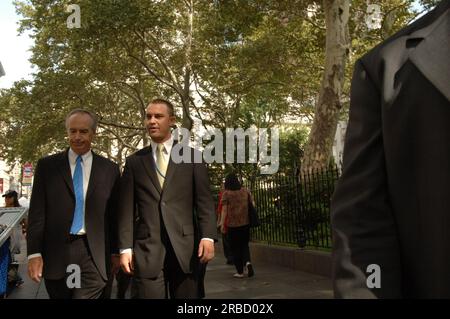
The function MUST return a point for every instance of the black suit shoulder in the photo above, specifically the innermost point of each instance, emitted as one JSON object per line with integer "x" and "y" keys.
{"x": 420, "y": 23}
{"x": 142, "y": 152}
{"x": 53, "y": 157}
{"x": 50, "y": 160}
{"x": 138, "y": 154}
{"x": 373, "y": 61}
{"x": 105, "y": 161}
{"x": 48, "y": 163}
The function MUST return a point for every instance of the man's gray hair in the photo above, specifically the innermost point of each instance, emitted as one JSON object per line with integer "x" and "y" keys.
{"x": 82, "y": 111}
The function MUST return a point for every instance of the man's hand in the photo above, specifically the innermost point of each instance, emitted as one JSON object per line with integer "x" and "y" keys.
{"x": 115, "y": 264}
{"x": 35, "y": 266}
{"x": 205, "y": 251}
{"x": 126, "y": 263}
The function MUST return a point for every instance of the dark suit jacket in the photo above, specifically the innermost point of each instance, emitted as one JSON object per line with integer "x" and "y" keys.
{"x": 186, "y": 188}
{"x": 391, "y": 206}
{"x": 52, "y": 207}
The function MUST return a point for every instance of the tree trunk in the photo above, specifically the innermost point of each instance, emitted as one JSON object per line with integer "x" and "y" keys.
{"x": 320, "y": 142}
{"x": 144, "y": 133}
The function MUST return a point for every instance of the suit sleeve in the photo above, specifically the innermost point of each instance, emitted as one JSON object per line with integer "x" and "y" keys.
{"x": 364, "y": 230}
{"x": 126, "y": 207}
{"x": 204, "y": 203}
{"x": 36, "y": 214}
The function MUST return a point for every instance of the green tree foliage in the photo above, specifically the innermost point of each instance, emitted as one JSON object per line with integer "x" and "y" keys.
{"x": 224, "y": 64}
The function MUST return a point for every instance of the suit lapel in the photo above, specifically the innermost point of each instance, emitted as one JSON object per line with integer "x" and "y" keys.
{"x": 397, "y": 58}
{"x": 64, "y": 170}
{"x": 427, "y": 48}
{"x": 432, "y": 54}
{"x": 150, "y": 167}
{"x": 95, "y": 173}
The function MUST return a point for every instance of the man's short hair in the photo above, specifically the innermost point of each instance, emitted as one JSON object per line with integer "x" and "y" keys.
{"x": 82, "y": 111}
{"x": 165, "y": 102}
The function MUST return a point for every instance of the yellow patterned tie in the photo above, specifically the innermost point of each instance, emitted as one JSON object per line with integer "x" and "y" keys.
{"x": 161, "y": 164}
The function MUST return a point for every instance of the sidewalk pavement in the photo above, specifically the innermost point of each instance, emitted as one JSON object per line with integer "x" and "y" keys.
{"x": 269, "y": 282}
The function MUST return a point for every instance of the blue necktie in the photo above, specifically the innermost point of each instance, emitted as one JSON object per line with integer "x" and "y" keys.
{"x": 77, "y": 223}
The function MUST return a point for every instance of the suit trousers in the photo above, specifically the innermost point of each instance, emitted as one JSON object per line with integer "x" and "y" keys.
{"x": 91, "y": 282}
{"x": 171, "y": 282}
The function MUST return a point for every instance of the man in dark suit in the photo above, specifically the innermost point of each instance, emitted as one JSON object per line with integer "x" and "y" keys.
{"x": 71, "y": 212}
{"x": 391, "y": 208}
{"x": 175, "y": 210}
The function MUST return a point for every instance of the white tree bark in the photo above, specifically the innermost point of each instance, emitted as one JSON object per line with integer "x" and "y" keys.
{"x": 319, "y": 147}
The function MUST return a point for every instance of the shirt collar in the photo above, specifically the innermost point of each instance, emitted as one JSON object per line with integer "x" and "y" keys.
{"x": 73, "y": 156}
{"x": 167, "y": 144}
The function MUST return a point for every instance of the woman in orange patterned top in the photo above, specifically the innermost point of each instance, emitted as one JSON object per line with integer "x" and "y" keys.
{"x": 235, "y": 210}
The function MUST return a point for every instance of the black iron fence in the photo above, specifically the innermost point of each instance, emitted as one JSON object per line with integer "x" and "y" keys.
{"x": 295, "y": 209}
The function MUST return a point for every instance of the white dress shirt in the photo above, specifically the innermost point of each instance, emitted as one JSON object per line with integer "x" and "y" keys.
{"x": 86, "y": 164}
{"x": 168, "y": 149}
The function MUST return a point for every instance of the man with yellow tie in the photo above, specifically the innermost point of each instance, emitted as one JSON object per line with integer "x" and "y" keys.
{"x": 166, "y": 217}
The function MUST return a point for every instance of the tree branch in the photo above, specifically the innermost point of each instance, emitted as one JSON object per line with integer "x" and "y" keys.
{"x": 121, "y": 126}
{"x": 119, "y": 138}
{"x": 153, "y": 73}
{"x": 137, "y": 98}
{"x": 140, "y": 61}
{"x": 159, "y": 57}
